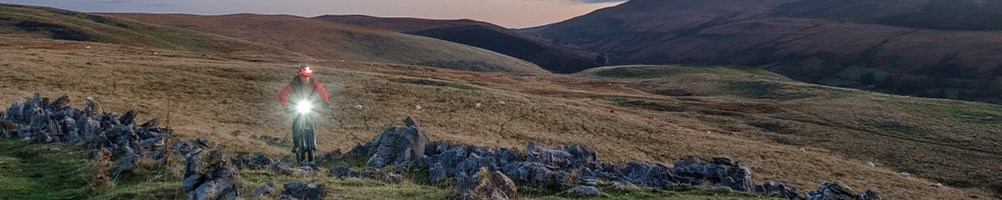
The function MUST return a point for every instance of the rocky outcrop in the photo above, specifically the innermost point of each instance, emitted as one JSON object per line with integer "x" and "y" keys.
{"x": 720, "y": 172}
{"x": 216, "y": 180}
{"x": 479, "y": 172}
{"x": 395, "y": 145}
{"x": 562, "y": 168}
{"x": 44, "y": 120}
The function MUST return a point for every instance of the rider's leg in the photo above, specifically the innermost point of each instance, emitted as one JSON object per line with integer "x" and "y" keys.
{"x": 296, "y": 140}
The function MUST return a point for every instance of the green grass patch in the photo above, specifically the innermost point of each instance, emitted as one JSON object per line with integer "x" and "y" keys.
{"x": 834, "y": 93}
{"x": 681, "y": 192}
{"x": 891, "y": 126}
{"x": 435, "y": 83}
{"x": 667, "y": 71}
{"x": 61, "y": 171}
{"x": 152, "y": 189}
{"x": 752, "y": 89}
{"x": 853, "y": 77}
{"x": 967, "y": 112}
{"x": 29, "y": 171}
{"x": 769, "y": 90}
{"x": 413, "y": 186}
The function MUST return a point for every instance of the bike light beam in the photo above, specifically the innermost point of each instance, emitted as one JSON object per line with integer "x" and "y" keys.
{"x": 304, "y": 107}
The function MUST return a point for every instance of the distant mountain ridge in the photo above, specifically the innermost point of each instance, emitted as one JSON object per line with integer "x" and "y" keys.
{"x": 912, "y": 47}
{"x": 551, "y": 56}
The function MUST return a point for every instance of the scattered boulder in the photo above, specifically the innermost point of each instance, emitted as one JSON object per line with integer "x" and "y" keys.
{"x": 256, "y": 162}
{"x": 371, "y": 173}
{"x": 393, "y": 178}
{"x": 837, "y": 191}
{"x": 869, "y": 194}
{"x": 395, "y": 145}
{"x": 280, "y": 169}
{"x": 409, "y": 122}
{"x": 584, "y": 191}
{"x": 128, "y": 162}
{"x": 487, "y": 185}
{"x": 218, "y": 180}
{"x": 265, "y": 189}
{"x": 303, "y": 191}
{"x": 341, "y": 171}
{"x": 330, "y": 156}
{"x": 776, "y": 189}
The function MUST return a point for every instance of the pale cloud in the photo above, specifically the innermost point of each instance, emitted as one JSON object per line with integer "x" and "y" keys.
{"x": 599, "y": 1}
{"x": 508, "y": 13}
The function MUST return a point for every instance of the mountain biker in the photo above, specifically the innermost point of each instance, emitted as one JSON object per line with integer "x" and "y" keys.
{"x": 303, "y": 88}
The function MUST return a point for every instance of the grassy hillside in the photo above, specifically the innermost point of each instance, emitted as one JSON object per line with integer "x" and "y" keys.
{"x": 654, "y": 115}
{"x": 548, "y": 55}
{"x": 951, "y": 142}
{"x": 400, "y": 24}
{"x": 42, "y": 22}
{"x": 325, "y": 40}
{"x": 972, "y": 15}
{"x": 817, "y": 41}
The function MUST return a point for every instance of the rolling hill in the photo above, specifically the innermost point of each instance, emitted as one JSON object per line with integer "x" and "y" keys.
{"x": 335, "y": 41}
{"x": 550, "y": 56}
{"x": 862, "y": 44}
{"x": 42, "y": 22}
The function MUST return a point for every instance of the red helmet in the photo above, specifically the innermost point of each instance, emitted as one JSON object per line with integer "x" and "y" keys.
{"x": 305, "y": 71}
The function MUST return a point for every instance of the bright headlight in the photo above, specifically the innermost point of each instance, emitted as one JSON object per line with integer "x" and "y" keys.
{"x": 304, "y": 107}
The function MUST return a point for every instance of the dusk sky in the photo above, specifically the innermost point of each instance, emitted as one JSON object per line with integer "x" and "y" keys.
{"x": 508, "y": 13}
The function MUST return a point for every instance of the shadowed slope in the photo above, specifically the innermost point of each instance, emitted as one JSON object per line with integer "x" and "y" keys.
{"x": 819, "y": 41}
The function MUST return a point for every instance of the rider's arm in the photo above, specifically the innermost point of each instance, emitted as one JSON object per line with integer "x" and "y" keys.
{"x": 283, "y": 94}
{"x": 322, "y": 91}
